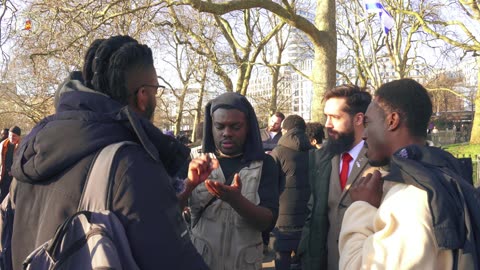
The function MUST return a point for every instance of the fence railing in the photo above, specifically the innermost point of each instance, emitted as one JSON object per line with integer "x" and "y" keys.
{"x": 446, "y": 137}
{"x": 471, "y": 160}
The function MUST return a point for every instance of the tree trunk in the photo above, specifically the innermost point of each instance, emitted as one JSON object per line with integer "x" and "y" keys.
{"x": 324, "y": 67}
{"x": 198, "y": 107}
{"x": 197, "y": 119}
{"x": 178, "y": 119}
{"x": 475, "y": 135}
{"x": 274, "y": 91}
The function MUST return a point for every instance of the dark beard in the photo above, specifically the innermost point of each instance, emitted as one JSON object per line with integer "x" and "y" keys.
{"x": 149, "y": 111}
{"x": 341, "y": 145}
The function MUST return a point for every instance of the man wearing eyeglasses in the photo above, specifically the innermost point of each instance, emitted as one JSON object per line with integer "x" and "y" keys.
{"x": 145, "y": 99}
{"x": 113, "y": 101}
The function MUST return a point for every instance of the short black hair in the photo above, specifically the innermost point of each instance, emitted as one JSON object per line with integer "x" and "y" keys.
{"x": 315, "y": 131}
{"x": 279, "y": 115}
{"x": 357, "y": 99}
{"x": 411, "y": 100}
{"x": 294, "y": 121}
{"x": 183, "y": 138}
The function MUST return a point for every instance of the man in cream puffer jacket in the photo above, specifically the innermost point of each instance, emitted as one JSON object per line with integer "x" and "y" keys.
{"x": 424, "y": 220}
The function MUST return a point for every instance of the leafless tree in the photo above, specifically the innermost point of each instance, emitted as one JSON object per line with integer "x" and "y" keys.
{"x": 322, "y": 33}
{"x": 458, "y": 28}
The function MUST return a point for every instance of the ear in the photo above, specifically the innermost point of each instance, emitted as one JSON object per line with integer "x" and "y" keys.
{"x": 142, "y": 101}
{"x": 313, "y": 141}
{"x": 358, "y": 119}
{"x": 393, "y": 121}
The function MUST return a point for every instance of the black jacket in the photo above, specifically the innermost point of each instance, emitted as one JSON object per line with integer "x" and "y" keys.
{"x": 453, "y": 201}
{"x": 267, "y": 142}
{"x": 51, "y": 166}
{"x": 291, "y": 154}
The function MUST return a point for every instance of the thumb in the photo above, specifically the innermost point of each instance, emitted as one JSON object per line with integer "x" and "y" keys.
{"x": 236, "y": 181}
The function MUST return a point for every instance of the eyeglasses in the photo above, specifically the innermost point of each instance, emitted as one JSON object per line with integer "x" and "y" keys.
{"x": 152, "y": 86}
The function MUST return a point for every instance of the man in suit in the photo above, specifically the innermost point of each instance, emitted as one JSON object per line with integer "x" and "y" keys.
{"x": 7, "y": 150}
{"x": 271, "y": 134}
{"x": 332, "y": 170}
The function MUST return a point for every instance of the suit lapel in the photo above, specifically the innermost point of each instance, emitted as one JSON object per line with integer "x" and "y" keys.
{"x": 358, "y": 167}
{"x": 335, "y": 182}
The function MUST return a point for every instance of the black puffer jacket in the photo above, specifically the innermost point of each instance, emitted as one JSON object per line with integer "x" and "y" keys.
{"x": 51, "y": 164}
{"x": 291, "y": 154}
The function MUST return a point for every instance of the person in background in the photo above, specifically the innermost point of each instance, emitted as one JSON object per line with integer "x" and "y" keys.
{"x": 315, "y": 134}
{"x": 291, "y": 155}
{"x": 272, "y": 133}
{"x": 8, "y": 147}
{"x": 270, "y": 136}
{"x": 183, "y": 139}
{"x": 3, "y": 134}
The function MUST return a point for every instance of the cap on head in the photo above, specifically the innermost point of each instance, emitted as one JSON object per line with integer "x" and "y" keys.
{"x": 16, "y": 130}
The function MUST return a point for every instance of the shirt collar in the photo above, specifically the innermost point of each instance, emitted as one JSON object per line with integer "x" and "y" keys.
{"x": 355, "y": 151}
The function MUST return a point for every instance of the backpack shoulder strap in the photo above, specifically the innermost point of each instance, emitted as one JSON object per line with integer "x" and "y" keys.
{"x": 97, "y": 186}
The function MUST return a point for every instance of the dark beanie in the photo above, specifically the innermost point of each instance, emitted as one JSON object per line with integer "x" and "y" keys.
{"x": 294, "y": 121}
{"x": 16, "y": 130}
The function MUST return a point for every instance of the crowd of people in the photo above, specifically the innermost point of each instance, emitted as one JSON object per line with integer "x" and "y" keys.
{"x": 10, "y": 139}
{"x": 369, "y": 195}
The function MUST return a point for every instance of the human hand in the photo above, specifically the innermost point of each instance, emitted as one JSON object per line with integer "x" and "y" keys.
{"x": 368, "y": 189}
{"x": 201, "y": 167}
{"x": 224, "y": 192}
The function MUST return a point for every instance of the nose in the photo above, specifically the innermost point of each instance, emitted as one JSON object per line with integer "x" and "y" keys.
{"x": 328, "y": 122}
{"x": 227, "y": 132}
{"x": 364, "y": 134}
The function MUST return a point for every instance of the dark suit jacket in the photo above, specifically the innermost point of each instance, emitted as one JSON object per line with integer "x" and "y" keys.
{"x": 267, "y": 142}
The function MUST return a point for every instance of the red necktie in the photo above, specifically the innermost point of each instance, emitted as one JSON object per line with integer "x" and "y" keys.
{"x": 346, "y": 158}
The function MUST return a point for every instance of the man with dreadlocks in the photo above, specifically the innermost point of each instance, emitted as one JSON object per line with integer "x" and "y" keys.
{"x": 240, "y": 198}
{"x": 114, "y": 103}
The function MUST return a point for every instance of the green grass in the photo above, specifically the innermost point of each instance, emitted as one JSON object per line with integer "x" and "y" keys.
{"x": 466, "y": 150}
{"x": 459, "y": 150}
